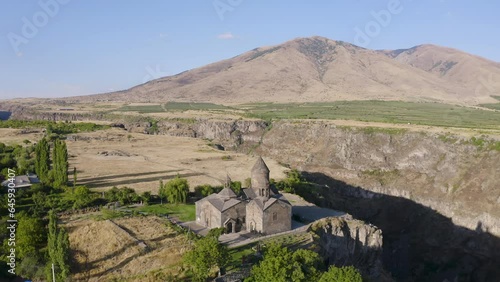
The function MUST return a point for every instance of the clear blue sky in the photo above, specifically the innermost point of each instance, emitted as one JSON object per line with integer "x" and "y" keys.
{"x": 93, "y": 46}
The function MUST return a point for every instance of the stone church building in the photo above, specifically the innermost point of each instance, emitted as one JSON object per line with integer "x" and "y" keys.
{"x": 259, "y": 208}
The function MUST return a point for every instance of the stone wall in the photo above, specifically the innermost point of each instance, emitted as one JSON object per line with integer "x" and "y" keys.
{"x": 254, "y": 215}
{"x": 283, "y": 220}
{"x": 236, "y": 212}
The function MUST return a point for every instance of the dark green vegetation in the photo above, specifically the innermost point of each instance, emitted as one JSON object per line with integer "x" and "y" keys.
{"x": 175, "y": 190}
{"x": 171, "y": 107}
{"x": 179, "y": 106}
{"x": 202, "y": 191}
{"x": 57, "y": 128}
{"x": 434, "y": 114}
{"x": 206, "y": 256}
{"x": 60, "y": 163}
{"x": 281, "y": 264}
{"x": 58, "y": 250}
{"x": 143, "y": 109}
{"x": 278, "y": 263}
{"x": 296, "y": 184}
{"x": 42, "y": 160}
{"x": 20, "y": 157}
{"x": 36, "y": 251}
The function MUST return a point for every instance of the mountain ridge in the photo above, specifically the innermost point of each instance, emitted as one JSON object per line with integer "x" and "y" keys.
{"x": 318, "y": 69}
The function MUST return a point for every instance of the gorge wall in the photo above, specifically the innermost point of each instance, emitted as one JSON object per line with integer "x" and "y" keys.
{"x": 345, "y": 242}
{"x": 436, "y": 197}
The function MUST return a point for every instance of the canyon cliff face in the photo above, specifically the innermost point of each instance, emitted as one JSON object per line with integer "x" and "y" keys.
{"x": 458, "y": 179}
{"x": 436, "y": 197}
{"x": 345, "y": 242}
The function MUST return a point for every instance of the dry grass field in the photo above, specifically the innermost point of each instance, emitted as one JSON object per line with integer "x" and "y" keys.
{"x": 11, "y": 136}
{"x": 124, "y": 249}
{"x": 117, "y": 158}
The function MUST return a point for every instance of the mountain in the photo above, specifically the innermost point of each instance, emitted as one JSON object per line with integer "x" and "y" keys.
{"x": 477, "y": 76}
{"x": 319, "y": 69}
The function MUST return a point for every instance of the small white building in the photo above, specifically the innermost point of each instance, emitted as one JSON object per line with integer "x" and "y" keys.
{"x": 22, "y": 181}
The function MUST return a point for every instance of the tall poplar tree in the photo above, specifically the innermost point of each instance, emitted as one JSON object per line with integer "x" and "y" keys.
{"x": 60, "y": 163}
{"x": 58, "y": 250}
{"x": 42, "y": 160}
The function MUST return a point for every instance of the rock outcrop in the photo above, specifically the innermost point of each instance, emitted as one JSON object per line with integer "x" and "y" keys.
{"x": 344, "y": 242}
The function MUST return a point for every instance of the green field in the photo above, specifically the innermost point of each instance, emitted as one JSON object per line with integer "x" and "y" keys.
{"x": 180, "y": 106}
{"x": 396, "y": 112}
{"x": 183, "y": 212}
{"x": 495, "y": 106}
{"x": 434, "y": 114}
{"x": 142, "y": 109}
{"x": 171, "y": 107}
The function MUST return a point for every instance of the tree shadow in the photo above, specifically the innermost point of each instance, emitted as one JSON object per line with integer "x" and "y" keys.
{"x": 419, "y": 244}
{"x": 114, "y": 176}
{"x": 106, "y": 183}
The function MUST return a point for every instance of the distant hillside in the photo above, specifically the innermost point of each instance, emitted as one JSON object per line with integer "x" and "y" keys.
{"x": 319, "y": 69}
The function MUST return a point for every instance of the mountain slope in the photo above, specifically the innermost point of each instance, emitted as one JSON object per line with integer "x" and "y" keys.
{"x": 318, "y": 69}
{"x": 477, "y": 76}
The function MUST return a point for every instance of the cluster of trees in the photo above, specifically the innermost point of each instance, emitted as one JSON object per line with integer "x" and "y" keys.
{"x": 281, "y": 264}
{"x": 60, "y": 163}
{"x": 42, "y": 160}
{"x": 58, "y": 250}
{"x": 201, "y": 191}
{"x": 175, "y": 191}
{"x": 30, "y": 243}
{"x": 292, "y": 182}
{"x": 58, "y": 175}
{"x": 126, "y": 195}
{"x": 57, "y": 128}
{"x": 296, "y": 184}
{"x": 16, "y": 157}
{"x": 207, "y": 256}
{"x": 38, "y": 245}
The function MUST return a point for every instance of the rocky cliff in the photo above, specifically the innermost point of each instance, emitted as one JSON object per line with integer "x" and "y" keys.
{"x": 347, "y": 242}
{"x": 459, "y": 178}
{"x": 435, "y": 196}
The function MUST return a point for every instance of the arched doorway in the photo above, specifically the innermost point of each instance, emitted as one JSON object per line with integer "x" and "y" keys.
{"x": 229, "y": 227}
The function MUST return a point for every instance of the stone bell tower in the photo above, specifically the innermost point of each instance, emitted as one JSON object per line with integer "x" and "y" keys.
{"x": 260, "y": 178}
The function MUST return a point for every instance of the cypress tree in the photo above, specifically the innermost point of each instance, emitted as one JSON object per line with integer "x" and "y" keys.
{"x": 60, "y": 163}
{"x": 42, "y": 160}
{"x": 58, "y": 250}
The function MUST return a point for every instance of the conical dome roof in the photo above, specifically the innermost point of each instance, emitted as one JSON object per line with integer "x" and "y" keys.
{"x": 260, "y": 165}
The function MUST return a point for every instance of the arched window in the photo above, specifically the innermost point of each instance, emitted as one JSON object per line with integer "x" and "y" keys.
{"x": 275, "y": 216}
